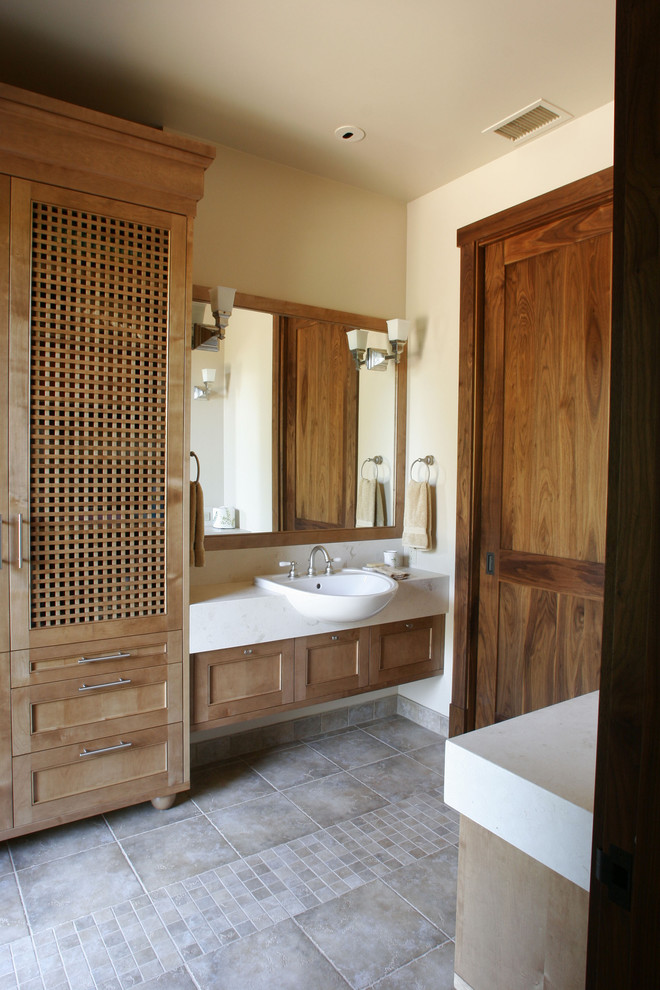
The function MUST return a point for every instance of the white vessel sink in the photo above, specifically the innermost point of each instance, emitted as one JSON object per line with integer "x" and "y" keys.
{"x": 348, "y": 596}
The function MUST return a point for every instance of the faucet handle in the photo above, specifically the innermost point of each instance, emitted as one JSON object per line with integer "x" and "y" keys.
{"x": 290, "y": 564}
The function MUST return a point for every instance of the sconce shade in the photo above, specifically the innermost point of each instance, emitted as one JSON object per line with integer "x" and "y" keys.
{"x": 198, "y": 309}
{"x": 398, "y": 329}
{"x": 357, "y": 339}
{"x": 208, "y": 374}
{"x": 222, "y": 300}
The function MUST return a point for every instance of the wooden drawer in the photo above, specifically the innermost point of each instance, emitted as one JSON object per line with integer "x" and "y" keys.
{"x": 240, "y": 680}
{"x": 89, "y": 705}
{"x": 332, "y": 664}
{"x": 406, "y": 651}
{"x": 106, "y": 657}
{"x": 111, "y": 771}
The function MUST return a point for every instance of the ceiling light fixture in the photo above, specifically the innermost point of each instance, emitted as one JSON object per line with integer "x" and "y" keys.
{"x": 347, "y": 132}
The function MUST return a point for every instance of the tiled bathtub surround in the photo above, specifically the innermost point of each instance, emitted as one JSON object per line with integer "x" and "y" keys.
{"x": 325, "y": 863}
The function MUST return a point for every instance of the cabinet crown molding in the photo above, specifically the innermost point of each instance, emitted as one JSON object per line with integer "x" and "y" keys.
{"x": 95, "y": 152}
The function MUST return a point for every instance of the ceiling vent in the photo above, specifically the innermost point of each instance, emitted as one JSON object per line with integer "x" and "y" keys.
{"x": 529, "y": 122}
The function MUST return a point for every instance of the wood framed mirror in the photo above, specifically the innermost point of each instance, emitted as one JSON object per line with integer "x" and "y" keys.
{"x": 289, "y": 427}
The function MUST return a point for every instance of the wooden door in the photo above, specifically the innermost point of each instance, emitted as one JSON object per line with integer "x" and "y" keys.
{"x": 318, "y": 440}
{"x": 544, "y": 485}
{"x": 96, "y": 447}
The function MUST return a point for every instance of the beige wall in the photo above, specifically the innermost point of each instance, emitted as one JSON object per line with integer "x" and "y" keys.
{"x": 275, "y": 231}
{"x": 572, "y": 151}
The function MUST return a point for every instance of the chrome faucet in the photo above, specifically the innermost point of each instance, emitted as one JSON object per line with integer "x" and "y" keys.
{"x": 326, "y": 557}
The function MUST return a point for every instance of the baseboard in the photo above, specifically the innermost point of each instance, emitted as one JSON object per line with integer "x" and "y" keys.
{"x": 422, "y": 716}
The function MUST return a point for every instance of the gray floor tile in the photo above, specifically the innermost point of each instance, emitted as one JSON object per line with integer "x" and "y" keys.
{"x": 434, "y": 971}
{"x": 68, "y": 888}
{"x": 13, "y": 923}
{"x": 335, "y": 799}
{"x": 368, "y": 933}
{"x": 144, "y": 817}
{"x": 402, "y": 734}
{"x": 397, "y": 777}
{"x": 430, "y": 886}
{"x": 432, "y": 756}
{"x": 177, "y": 979}
{"x": 257, "y": 825}
{"x": 54, "y": 843}
{"x": 279, "y": 957}
{"x": 353, "y": 748}
{"x": 232, "y": 783}
{"x": 291, "y": 766}
{"x": 5, "y": 860}
{"x": 176, "y": 852}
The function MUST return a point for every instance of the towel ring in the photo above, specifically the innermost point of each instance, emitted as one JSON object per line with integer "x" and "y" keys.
{"x": 428, "y": 460}
{"x": 193, "y": 454}
{"x": 374, "y": 460}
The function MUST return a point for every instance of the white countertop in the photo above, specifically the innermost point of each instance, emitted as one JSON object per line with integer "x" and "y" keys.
{"x": 530, "y": 780}
{"x": 223, "y": 615}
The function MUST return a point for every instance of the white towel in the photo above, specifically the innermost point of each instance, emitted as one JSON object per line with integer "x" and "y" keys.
{"x": 417, "y": 516}
{"x": 365, "y": 510}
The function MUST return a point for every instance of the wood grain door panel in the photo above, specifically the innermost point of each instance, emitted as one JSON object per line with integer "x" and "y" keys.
{"x": 544, "y": 457}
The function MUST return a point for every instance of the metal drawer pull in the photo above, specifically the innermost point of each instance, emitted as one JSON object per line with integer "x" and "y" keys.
{"x": 246, "y": 653}
{"x": 95, "y": 687}
{"x": 334, "y": 638}
{"x": 108, "y": 656}
{"x": 20, "y": 540}
{"x": 409, "y": 625}
{"x": 106, "y": 749}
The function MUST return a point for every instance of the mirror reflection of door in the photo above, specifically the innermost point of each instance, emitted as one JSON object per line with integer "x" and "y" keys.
{"x": 318, "y": 426}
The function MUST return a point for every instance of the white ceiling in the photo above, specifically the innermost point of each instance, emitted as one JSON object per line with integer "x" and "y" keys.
{"x": 276, "y": 77}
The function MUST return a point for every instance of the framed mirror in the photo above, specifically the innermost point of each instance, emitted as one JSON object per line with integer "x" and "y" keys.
{"x": 288, "y": 434}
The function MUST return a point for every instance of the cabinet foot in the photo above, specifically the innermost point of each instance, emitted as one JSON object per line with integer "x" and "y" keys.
{"x": 163, "y": 803}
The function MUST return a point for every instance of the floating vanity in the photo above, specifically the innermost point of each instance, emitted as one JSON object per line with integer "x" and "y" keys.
{"x": 524, "y": 789}
{"x": 253, "y": 654}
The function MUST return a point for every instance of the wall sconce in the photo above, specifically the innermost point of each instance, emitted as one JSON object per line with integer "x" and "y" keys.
{"x": 374, "y": 357}
{"x": 222, "y": 303}
{"x": 203, "y": 391}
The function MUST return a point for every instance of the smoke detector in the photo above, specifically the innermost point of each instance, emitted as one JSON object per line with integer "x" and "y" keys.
{"x": 529, "y": 122}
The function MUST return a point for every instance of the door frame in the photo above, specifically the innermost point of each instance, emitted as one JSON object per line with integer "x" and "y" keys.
{"x": 591, "y": 191}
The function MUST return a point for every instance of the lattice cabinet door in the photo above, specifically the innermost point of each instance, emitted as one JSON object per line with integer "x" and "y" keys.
{"x": 97, "y": 360}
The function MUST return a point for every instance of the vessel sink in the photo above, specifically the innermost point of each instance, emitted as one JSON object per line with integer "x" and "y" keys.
{"x": 348, "y": 596}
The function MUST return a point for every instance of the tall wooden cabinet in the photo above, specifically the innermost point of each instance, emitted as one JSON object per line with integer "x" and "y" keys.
{"x": 95, "y": 234}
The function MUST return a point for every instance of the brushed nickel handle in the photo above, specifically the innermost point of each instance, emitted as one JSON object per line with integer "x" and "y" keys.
{"x": 119, "y": 655}
{"x": 410, "y": 625}
{"x": 334, "y": 638}
{"x": 96, "y": 687}
{"x": 106, "y": 749}
{"x": 246, "y": 653}
{"x": 20, "y": 540}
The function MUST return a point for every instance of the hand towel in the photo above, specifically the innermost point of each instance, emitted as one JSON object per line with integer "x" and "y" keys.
{"x": 417, "y": 516}
{"x": 197, "y": 558}
{"x": 381, "y": 511}
{"x": 365, "y": 510}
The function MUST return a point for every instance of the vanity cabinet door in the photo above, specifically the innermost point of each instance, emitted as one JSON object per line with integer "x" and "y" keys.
{"x": 406, "y": 651}
{"x": 240, "y": 681}
{"x": 332, "y": 665}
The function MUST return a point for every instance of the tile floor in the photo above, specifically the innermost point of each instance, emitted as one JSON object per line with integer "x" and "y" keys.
{"x": 317, "y": 865}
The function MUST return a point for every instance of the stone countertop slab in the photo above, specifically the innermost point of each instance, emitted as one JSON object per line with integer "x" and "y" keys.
{"x": 224, "y": 615}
